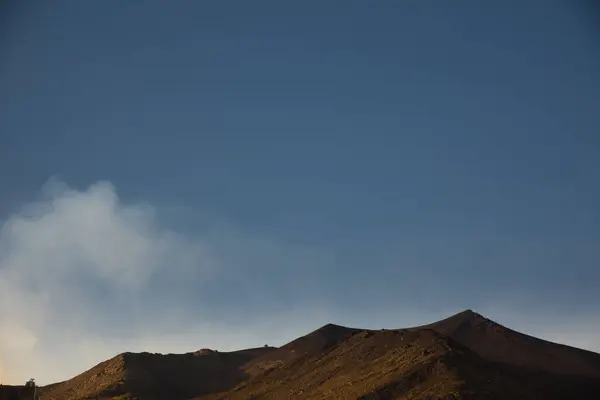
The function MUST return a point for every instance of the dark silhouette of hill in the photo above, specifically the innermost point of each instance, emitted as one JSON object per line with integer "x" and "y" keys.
{"x": 8, "y": 392}
{"x": 465, "y": 356}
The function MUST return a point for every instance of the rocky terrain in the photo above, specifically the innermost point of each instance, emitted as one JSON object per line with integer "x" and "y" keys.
{"x": 466, "y": 356}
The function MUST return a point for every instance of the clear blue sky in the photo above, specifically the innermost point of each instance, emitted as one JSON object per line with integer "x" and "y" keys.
{"x": 362, "y": 158}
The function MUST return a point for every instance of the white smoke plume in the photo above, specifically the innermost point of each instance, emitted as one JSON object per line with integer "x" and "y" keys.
{"x": 84, "y": 277}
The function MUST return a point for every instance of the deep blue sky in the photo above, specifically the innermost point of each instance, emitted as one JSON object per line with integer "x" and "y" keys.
{"x": 441, "y": 154}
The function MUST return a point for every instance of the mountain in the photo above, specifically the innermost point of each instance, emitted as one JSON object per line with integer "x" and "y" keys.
{"x": 465, "y": 356}
{"x": 316, "y": 342}
{"x": 498, "y": 343}
{"x": 146, "y": 375}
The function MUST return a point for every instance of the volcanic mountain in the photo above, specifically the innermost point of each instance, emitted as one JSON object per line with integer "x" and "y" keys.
{"x": 466, "y": 356}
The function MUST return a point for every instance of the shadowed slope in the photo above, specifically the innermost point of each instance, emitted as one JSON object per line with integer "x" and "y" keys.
{"x": 464, "y": 356}
{"x": 158, "y": 376}
{"x": 357, "y": 365}
{"x": 8, "y": 392}
{"x": 313, "y": 344}
{"x": 495, "y": 342}
{"x": 406, "y": 364}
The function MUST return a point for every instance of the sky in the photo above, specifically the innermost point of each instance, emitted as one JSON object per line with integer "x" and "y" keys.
{"x": 229, "y": 174}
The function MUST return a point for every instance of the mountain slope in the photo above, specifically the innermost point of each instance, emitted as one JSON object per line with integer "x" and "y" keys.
{"x": 106, "y": 377}
{"x": 158, "y": 376}
{"x": 406, "y": 364}
{"x": 495, "y": 342}
{"x": 315, "y": 343}
{"x": 360, "y": 365}
{"x": 465, "y": 356}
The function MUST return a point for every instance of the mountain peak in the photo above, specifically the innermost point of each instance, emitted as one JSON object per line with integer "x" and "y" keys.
{"x": 496, "y": 342}
{"x": 321, "y": 338}
{"x": 451, "y": 324}
{"x": 468, "y": 313}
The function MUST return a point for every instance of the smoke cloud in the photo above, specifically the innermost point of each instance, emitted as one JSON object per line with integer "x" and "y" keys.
{"x": 84, "y": 277}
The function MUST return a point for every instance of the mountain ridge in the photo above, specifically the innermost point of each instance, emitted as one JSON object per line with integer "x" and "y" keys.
{"x": 463, "y": 356}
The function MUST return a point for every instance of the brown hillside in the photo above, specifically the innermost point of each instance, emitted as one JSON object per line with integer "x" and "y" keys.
{"x": 406, "y": 364}
{"x": 315, "y": 343}
{"x": 495, "y": 342}
{"x": 172, "y": 376}
{"x": 465, "y": 356}
{"x": 359, "y": 365}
